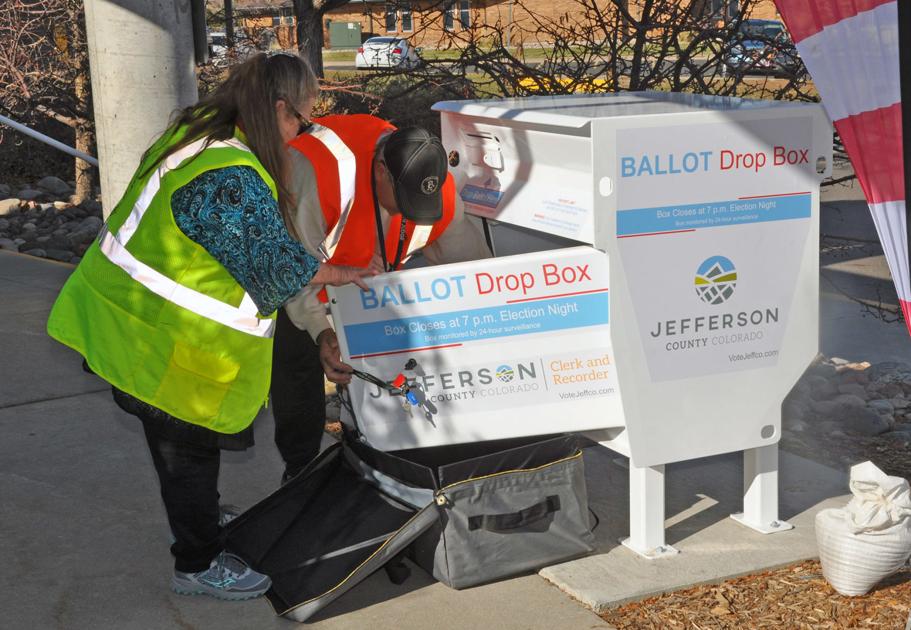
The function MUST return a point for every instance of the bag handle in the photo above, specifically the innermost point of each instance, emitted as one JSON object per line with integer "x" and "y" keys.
{"x": 515, "y": 520}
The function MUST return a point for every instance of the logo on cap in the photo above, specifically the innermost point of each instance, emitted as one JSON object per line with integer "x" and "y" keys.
{"x": 430, "y": 184}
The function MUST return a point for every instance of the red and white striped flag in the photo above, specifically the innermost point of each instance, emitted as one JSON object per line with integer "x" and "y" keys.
{"x": 858, "y": 56}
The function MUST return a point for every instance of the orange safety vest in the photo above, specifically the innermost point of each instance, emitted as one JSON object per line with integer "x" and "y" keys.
{"x": 341, "y": 150}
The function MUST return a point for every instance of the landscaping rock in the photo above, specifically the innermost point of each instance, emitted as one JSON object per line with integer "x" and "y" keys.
{"x": 822, "y": 369}
{"x": 29, "y": 194}
{"x": 4, "y": 224}
{"x": 60, "y": 254}
{"x": 9, "y": 205}
{"x": 54, "y": 185}
{"x": 75, "y": 260}
{"x": 850, "y": 400}
{"x": 882, "y": 406}
{"x": 853, "y": 376}
{"x": 27, "y": 227}
{"x": 80, "y": 237}
{"x": 889, "y": 369}
{"x": 826, "y": 410}
{"x": 890, "y": 390}
{"x": 8, "y": 245}
{"x": 853, "y": 388}
{"x": 92, "y": 207}
{"x": 795, "y": 409}
{"x": 90, "y": 224}
{"x": 898, "y": 436}
{"x": 5, "y": 191}
{"x": 821, "y": 388}
{"x": 40, "y": 253}
{"x": 864, "y": 421}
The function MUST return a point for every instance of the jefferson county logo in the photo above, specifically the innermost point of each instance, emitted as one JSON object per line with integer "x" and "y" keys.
{"x": 716, "y": 279}
{"x": 430, "y": 184}
{"x": 505, "y": 373}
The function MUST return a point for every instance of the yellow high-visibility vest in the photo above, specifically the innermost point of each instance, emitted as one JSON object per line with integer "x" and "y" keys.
{"x": 156, "y": 315}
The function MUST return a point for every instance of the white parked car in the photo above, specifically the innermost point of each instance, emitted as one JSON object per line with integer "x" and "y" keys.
{"x": 387, "y": 52}
{"x": 218, "y": 48}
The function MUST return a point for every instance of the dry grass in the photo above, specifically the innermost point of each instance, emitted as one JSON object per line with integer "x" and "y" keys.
{"x": 795, "y": 597}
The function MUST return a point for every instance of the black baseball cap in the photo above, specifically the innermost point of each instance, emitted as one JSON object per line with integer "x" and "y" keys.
{"x": 416, "y": 160}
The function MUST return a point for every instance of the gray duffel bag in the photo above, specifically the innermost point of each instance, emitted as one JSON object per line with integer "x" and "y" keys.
{"x": 507, "y": 512}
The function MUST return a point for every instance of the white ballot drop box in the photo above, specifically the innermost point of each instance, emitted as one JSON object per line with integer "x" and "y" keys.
{"x": 696, "y": 221}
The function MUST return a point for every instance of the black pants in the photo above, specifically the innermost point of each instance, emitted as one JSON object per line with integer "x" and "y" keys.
{"x": 188, "y": 474}
{"x": 298, "y": 395}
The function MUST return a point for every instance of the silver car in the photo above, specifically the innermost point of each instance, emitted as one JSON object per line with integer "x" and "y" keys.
{"x": 387, "y": 52}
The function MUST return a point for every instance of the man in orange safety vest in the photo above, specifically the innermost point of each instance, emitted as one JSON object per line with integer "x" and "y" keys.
{"x": 367, "y": 194}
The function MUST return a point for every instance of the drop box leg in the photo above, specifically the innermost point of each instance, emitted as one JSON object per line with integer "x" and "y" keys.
{"x": 760, "y": 491}
{"x": 646, "y": 512}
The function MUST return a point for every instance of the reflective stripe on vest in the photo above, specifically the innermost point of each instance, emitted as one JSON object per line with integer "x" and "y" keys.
{"x": 243, "y": 318}
{"x": 347, "y": 179}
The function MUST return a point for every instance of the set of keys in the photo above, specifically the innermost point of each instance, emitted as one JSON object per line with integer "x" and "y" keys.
{"x": 399, "y": 386}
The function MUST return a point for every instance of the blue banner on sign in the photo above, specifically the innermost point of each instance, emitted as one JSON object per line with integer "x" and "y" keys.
{"x": 458, "y": 327}
{"x": 695, "y": 216}
{"x": 481, "y": 196}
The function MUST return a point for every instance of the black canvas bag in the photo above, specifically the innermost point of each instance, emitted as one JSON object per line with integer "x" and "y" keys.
{"x": 467, "y": 514}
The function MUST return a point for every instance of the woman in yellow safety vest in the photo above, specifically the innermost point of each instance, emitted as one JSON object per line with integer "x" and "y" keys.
{"x": 174, "y": 304}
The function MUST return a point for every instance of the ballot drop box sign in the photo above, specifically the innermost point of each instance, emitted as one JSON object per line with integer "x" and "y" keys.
{"x": 711, "y": 225}
{"x": 503, "y": 347}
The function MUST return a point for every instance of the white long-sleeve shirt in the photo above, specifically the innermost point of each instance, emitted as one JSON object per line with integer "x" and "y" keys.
{"x": 461, "y": 241}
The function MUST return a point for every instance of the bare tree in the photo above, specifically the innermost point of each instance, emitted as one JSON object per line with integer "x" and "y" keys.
{"x": 44, "y": 72}
{"x": 609, "y": 46}
{"x": 309, "y": 17}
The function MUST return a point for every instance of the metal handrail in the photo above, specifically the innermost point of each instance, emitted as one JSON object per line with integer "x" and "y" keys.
{"x": 48, "y": 140}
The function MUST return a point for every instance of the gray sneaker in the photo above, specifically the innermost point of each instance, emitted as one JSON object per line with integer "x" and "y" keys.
{"x": 228, "y": 577}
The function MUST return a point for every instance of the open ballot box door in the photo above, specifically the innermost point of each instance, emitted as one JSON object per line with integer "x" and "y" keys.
{"x": 499, "y": 348}
{"x": 662, "y": 296}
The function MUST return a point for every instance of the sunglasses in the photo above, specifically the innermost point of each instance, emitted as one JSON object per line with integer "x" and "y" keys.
{"x": 304, "y": 125}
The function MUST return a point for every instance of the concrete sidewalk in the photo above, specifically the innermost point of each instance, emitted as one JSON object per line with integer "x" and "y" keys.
{"x": 85, "y": 537}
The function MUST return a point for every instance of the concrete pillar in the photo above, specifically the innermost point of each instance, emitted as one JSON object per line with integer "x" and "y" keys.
{"x": 142, "y": 67}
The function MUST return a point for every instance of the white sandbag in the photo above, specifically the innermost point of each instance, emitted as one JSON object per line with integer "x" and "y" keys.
{"x": 870, "y": 538}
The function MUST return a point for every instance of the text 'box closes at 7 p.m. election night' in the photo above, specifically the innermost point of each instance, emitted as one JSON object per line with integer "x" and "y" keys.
{"x": 504, "y": 347}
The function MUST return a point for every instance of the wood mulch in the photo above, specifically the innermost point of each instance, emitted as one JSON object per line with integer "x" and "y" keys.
{"x": 795, "y": 597}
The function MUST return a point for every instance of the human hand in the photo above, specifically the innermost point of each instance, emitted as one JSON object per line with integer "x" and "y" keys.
{"x": 376, "y": 263}
{"x": 330, "y": 357}
{"x": 337, "y": 275}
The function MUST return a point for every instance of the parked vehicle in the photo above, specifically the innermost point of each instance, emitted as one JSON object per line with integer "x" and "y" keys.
{"x": 221, "y": 56}
{"x": 387, "y": 52}
{"x": 218, "y": 48}
{"x": 764, "y": 47}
